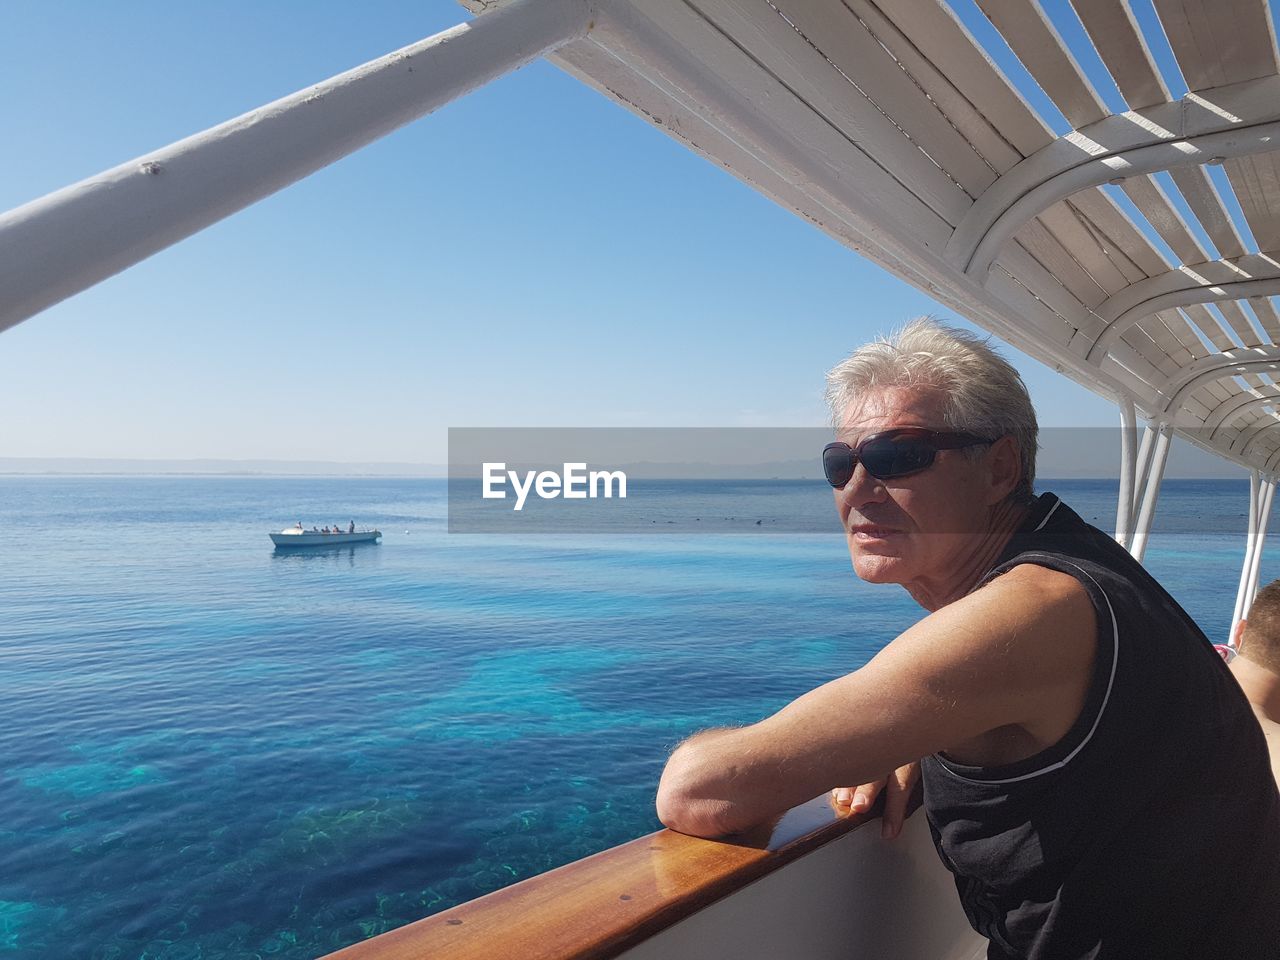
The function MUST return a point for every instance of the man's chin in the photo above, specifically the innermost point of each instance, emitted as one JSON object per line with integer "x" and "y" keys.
{"x": 877, "y": 568}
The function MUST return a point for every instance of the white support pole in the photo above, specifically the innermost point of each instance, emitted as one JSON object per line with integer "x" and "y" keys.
{"x": 1154, "y": 476}
{"x": 1144, "y": 464}
{"x": 1148, "y": 451}
{"x": 1246, "y": 570}
{"x": 1128, "y": 469}
{"x": 67, "y": 241}
{"x": 1255, "y": 567}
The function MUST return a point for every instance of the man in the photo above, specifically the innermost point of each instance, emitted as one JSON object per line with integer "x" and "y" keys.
{"x": 1083, "y": 745}
{"x": 1257, "y": 667}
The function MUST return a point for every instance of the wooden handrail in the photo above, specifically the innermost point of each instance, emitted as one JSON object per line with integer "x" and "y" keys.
{"x": 605, "y": 904}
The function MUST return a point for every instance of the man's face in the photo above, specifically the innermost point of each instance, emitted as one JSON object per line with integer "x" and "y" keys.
{"x": 913, "y": 530}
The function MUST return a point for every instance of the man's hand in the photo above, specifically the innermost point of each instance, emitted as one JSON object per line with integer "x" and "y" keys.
{"x": 897, "y": 786}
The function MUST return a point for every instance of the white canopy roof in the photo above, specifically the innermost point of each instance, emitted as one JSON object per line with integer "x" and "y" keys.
{"x": 889, "y": 126}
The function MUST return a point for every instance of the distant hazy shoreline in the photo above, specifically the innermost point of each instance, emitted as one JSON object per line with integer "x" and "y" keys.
{"x": 1064, "y": 454}
{"x": 104, "y": 467}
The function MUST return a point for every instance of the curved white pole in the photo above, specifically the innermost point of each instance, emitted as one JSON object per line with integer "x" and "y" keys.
{"x": 65, "y": 242}
{"x": 1255, "y": 482}
{"x": 1151, "y": 491}
{"x": 1128, "y": 469}
{"x": 1143, "y": 465}
{"x": 1264, "y": 516}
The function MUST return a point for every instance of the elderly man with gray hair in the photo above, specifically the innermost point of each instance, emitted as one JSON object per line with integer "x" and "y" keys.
{"x": 1081, "y": 744}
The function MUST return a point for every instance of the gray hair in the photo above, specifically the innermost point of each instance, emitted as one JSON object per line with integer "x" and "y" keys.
{"x": 982, "y": 392}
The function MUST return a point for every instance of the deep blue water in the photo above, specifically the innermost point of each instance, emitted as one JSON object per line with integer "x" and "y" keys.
{"x": 211, "y": 750}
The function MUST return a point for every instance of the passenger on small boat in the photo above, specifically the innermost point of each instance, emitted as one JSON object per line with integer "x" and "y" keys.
{"x": 1257, "y": 667}
{"x": 1093, "y": 776}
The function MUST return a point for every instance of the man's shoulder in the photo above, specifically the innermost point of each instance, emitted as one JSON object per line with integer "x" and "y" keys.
{"x": 1028, "y": 622}
{"x": 1019, "y": 651}
{"x": 1031, "y": 593}
{"x": 1041, "y": 582}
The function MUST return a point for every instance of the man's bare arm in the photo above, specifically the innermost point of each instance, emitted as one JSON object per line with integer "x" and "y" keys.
{"x": 1017, "y": 652}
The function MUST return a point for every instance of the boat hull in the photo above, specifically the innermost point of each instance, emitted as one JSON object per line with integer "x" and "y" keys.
{"x": 308, "y": 539}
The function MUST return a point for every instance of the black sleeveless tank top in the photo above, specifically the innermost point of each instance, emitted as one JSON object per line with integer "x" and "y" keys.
{"x": 1152, "y": 829}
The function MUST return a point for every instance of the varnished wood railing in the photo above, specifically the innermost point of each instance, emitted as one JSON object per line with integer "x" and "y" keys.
{"x": 600, "y": 906}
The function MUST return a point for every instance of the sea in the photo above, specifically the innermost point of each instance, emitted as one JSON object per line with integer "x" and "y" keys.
{"x": 210, "y": 749}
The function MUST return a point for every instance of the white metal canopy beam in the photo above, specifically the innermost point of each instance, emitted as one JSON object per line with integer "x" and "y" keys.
{"x": 65, "y": 242}
{"x": 1229, "y": 363}
{"x": 1228, "y": 410}
{"x": 1251, "y": 276}
{"x": 1231, "y": 121}
{"x": 1244, "y": 442}
{"x": 1251, "y": 266}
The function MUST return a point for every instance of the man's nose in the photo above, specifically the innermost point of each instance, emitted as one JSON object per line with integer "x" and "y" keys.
{"x": 861, "y": 489}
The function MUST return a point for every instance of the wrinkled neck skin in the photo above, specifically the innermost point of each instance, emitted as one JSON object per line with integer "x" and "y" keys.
{"x": 977, "y": 556}
{"x": 1259, "y": 684}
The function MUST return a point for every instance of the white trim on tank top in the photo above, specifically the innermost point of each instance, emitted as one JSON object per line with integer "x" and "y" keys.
{"x": 1115, "y": 659}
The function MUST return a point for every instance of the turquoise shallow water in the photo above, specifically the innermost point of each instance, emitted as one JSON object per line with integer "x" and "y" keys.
{"x": 210, "y": 750}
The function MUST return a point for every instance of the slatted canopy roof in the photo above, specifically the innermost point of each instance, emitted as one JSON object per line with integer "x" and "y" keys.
{"x": 1136, "y": 249}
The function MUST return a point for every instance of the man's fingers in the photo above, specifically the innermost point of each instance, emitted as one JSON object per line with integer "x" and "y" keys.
{"x": 901, "y": 782}
{"x": 865, "y": 796}
{"x": 857, "y": 799}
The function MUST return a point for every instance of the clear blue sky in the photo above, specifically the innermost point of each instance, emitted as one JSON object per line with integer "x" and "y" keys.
{"x": 531, "y": 255}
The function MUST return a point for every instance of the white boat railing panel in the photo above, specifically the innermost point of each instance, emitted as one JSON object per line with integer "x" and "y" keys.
{"x": 858, "y": 896}
{"x": 817, "y": 884}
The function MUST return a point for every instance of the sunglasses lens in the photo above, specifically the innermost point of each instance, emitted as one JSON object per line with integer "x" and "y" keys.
{"x": 896, "y": 456}
{"x": 837, "y": 463}
{"x": 894, "y": 453}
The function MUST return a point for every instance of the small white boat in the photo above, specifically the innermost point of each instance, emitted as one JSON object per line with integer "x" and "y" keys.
{"x": 295, "y": 537}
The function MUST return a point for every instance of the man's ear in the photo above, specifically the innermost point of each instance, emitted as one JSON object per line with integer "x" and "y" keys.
{"x": 1004, "y": 461}
{"x": 1237, "y": 634}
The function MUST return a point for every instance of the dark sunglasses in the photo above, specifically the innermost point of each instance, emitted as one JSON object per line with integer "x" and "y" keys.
{"x": 893, "y": 453}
